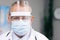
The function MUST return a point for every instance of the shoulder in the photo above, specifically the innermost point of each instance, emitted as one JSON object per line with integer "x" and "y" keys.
{"x": 40, "y": 36}
{"x": 6, "y": 34}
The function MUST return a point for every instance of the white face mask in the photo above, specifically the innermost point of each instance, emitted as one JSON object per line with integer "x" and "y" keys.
{"x": 21, "y": 27}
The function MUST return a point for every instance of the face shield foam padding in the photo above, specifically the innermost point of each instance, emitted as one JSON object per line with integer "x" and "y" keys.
{"x": 21, "y": 14}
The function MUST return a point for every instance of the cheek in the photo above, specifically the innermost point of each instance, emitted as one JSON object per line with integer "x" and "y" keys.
{"x": 9, "y": 20}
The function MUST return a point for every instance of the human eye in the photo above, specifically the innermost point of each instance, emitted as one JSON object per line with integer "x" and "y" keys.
{"x": 15, "y": 18}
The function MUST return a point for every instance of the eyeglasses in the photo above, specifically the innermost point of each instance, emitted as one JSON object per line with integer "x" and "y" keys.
{"x": 20, "y": 17}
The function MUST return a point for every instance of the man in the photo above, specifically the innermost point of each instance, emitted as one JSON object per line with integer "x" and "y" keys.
{"x": 21, "y": 20}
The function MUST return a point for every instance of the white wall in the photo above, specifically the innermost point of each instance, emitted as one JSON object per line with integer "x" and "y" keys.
{"x": 38, "y": 11}
{"x": 56, "y": 23}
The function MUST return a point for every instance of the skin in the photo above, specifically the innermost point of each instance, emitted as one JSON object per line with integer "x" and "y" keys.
{"x": 21, "y": 8}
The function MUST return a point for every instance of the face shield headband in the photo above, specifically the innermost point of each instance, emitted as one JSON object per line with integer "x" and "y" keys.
{"x": 20, "y": 14}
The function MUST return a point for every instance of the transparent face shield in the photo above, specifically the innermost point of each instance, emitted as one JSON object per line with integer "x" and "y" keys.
{"x": 25, "y": 14}
{"x": 22, "y": 15}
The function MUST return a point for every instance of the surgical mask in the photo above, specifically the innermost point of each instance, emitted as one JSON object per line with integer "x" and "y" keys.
{"x": 21, "y": 27}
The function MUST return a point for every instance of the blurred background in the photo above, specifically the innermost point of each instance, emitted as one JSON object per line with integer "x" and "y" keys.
{"x": 46, "y": 13}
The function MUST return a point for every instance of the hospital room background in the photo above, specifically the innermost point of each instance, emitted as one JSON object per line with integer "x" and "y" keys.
{"x": 45, "y": 12}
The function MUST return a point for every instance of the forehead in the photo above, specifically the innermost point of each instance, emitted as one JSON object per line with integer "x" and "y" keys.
{"x": 25, "y": 8}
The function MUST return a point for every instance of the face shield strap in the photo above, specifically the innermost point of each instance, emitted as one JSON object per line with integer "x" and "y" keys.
{"x": 21, "y": 14}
